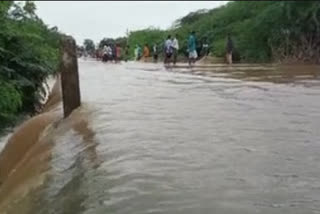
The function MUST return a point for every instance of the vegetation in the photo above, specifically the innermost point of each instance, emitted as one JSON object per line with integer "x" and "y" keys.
{"x": 29, "y": 53}
{"x": 263, "y": 31}
{"x": 148, "y": 36}
{"x": 89, "y": 46}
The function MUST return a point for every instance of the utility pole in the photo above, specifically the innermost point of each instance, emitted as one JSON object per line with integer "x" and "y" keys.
{"x": 69, "y": 75}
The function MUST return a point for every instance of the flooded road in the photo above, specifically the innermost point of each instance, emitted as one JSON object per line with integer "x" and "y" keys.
{"x": 154, "y": 140}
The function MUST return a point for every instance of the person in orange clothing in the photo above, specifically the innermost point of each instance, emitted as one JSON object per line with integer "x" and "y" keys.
{"x": 146, "y": 52}
{"x": 118, "y": 53}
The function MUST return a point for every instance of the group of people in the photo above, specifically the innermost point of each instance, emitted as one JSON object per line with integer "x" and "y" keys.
{"x": 138, "y": 54}
{"x": 111, "y": 53}
{"x": 170, "y": 50}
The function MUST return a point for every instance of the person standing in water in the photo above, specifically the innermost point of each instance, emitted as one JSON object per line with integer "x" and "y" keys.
{"x": 229, "y": 49}
{"x": 146, "y": 52}
{"x": 113, "y": 53}
{"x": 155, "y": 53}
{"x": 118, "y": 53}
{"x": 126, "y": 53}
{"x": 137, "y": 52}
{"x": 105, "y": 53}
{"x": 175, "y": 45}
{"x": 109, "y": 52}
{"x": 192, "y": 48}
{"x": 168, "y": 50}
{"x": 205, "y": 47}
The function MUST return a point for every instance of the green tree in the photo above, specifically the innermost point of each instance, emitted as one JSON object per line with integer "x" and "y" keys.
{"x": 89, "y": 46}
{"x": 24, "y": 63}
{"x": 148, "y": 36}
{"x": 106, "y": 41}
{"x": 30, "y": 9}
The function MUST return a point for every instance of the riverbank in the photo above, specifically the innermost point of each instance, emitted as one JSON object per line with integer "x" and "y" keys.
{"x": 10, "y": 126}
{"x": 19, "y": 159}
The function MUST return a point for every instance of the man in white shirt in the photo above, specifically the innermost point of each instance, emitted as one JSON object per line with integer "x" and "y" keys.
{"x": 155, "y": 53}
{"x": 109, "y": 52}
{"x": 105, "y": 53}
{"x": 175, "y": 45}
{"x": 168, "y": 50}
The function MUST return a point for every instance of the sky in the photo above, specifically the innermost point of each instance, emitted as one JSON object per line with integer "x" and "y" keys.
{"x": 98, "y": 19}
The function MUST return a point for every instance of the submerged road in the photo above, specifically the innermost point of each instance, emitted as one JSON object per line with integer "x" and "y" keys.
{"x": 181, "y": 140}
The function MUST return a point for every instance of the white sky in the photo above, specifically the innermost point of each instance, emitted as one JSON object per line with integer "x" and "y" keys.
{"x": 99, "y": 19}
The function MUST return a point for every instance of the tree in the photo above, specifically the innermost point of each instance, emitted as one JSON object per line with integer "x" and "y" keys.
{"x": 89, "y": 46}
{"x": 24, "y": 64}
{"x": 106, "y": 41}
{"x": 30, "y": 9}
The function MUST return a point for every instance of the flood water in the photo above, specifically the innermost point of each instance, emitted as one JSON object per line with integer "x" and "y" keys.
{"x": 181, "y": 140}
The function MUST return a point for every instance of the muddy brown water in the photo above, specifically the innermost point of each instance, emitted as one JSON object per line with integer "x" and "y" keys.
{"x": 223, "y": 139}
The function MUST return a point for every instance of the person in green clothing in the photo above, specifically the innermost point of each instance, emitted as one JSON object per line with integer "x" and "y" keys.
{"x": 229, "y": 48}
{"x": 192, "y": 48}
{"x": 126, "y": 53}
{"x": 137, "y": 53}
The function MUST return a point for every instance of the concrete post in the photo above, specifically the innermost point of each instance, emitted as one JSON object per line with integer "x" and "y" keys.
{"x": 69, "y": 76}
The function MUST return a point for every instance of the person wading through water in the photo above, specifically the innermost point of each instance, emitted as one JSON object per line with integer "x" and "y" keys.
{"x": 137, "y": 53}
{"x": 155, "y": 53}
{"x": 192, "y": 48}
{"x": 229, "y": 49}
{"x": 105, "y": 53}
{"x": 118, "y": 53}
{"x": 168, "y": 50}
{"x": 126, "y": 53}
{"x": 175, "y": 45}
{"x": 146, "y": 52}
{"x": 205, "y": 47}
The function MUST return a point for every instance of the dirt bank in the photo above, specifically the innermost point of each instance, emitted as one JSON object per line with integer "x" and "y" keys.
{"x": 25, "y": 161}
{"x": 23, "y": 155}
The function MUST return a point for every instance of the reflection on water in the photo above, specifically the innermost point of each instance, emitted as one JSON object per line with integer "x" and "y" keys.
{"x": 181, "y": 140}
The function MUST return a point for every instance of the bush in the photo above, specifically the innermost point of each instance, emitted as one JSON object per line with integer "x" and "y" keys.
{"x": 10, "y": 102}
{"x": 29, "y": 53}
{"x": 263, "y": 31}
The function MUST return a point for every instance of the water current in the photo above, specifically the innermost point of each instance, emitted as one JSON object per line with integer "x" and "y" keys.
{"x": 204, "y": 140}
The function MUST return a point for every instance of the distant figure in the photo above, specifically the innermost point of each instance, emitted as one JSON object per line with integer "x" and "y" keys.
{"x": 137, "y": 52}
{"x": 126, "y": 52}
{"x": 109, "y": 52}
{"x": 175, "y": 45}
{"x": 96, "y": 54}
{"x": 105, "y": 54}
{"x": 192, "y": 48}
{"x": 146, "y": 52}
{"x": 118, "y": 53}
{"x": 229, "y": 49}
{"x": 155, "y": 53}
{"x": 205, "y": 47}
{"x": 168, "y": 50}
{"x": 114, "y": 53}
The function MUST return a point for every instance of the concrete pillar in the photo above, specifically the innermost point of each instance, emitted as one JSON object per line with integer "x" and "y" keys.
{"x": 69, "y": 76}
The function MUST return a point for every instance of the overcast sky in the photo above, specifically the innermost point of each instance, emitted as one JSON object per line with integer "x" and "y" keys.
{"x": 98, "y": 19}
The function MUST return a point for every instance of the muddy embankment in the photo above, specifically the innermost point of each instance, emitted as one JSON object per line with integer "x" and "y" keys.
{"x": 25, "y": 159}
{"x": 24, "y": 154}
